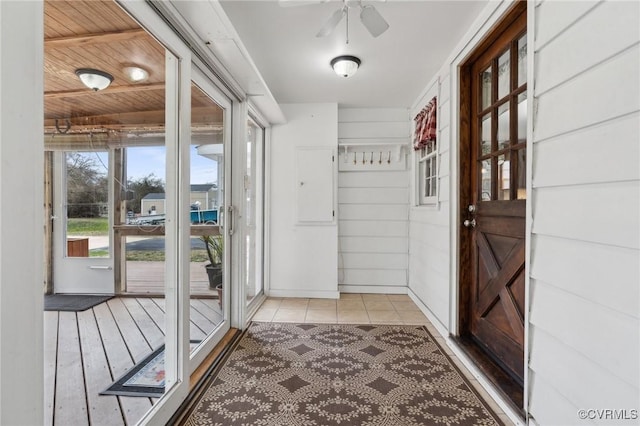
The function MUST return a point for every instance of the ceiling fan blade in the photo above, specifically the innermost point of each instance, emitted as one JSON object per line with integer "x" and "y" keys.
{"x": 332, "y": 23}
{"x": 373, "y": 21}
{"x": 293, "y": 3}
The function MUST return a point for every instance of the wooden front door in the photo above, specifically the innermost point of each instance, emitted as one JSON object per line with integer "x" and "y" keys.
{"x": 494, "y": 200}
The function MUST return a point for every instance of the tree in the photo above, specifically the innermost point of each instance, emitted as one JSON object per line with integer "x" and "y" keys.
{"x": 140, "y": 187}
{"x": 87, "y": 185}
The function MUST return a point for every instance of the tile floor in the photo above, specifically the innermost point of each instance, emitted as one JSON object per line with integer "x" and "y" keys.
{"x": 354, "y": 308}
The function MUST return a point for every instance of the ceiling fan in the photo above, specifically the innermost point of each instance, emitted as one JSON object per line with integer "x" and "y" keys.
{"x": 369, "y": 15}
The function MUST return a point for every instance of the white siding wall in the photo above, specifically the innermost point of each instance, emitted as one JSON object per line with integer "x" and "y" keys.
{"x": 584, "y": 268}
{"x": 585, "y": 258}
{"x": 303, "y": 257}
{"x": 429, "y": 248}
{"x": 373, "y": 206}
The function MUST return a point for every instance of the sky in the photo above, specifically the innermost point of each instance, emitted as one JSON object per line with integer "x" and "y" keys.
{"x": 142, "y": 161}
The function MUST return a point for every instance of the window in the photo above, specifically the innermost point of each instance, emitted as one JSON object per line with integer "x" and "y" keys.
{"x": 426, "y": 147}
{"x": 428, "y": 174}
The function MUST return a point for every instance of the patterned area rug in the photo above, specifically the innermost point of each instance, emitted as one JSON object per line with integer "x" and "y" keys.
{"x": 307, "y": 375}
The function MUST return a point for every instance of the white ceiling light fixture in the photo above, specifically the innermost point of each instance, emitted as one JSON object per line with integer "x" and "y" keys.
{"x": 345, "y": 65}
{"x": 136, "y": 74}
{"x": 94, "y": 79}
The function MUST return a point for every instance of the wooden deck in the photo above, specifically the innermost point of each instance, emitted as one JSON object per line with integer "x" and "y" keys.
{"x": 148, "y": 278}
{"x": 87, "y": 351}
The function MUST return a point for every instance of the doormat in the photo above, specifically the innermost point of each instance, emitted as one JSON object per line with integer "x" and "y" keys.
{"x": 337, "y": 375}
{"x": 146, "y": 378}
{"x": 73, "y": 302}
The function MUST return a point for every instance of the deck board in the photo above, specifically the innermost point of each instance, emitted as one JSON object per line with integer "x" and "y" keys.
{"x": 133, "y": 337}
{"x": 133, "y": 408}
{"x": 144, "y": 277}
{"x": 87, "y": 351}
{"x": 200, "y": 320}
{"x": 154, "y": 311}
{"x": 70, "y": 409}
{"x": 103, "y": 410}
{"x": 152, "y": 333}
{"x": 209, "y": 308}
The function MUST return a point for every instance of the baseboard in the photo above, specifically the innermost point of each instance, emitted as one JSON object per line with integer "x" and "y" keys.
{"x": 312, "y": 294}
{"x": 433, "y": 319}
{"x": 379, "y": 289}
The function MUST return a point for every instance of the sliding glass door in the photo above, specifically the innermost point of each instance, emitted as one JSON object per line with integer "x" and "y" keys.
{"x": 208, "y": 178}
{"x": 147, "y": 162}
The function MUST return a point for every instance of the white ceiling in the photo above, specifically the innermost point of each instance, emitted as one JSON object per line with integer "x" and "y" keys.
{"x": 396, "y": 66}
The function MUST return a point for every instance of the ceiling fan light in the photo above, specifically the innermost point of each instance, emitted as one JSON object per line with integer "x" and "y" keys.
{"x": 94, "y": 79}
{"x": 345, "y": 66}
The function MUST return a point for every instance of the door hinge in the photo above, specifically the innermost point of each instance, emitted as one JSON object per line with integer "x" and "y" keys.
{"x": 333, "y": 158}
{"x": 333, "y": 213}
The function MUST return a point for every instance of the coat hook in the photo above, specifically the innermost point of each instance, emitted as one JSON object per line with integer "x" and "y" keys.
{"x": 363, "y": 161}
{"x": 380, "y": 160}
{"x": 354, "y": 158}
{"x": 389, "y": 159}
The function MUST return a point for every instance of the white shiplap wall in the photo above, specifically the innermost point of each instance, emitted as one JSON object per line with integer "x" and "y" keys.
{"x": 585, "y": 258}
{"x": 429, "y": 247}
{"x": 373, "y": 205}
{"x": 303, "y": 261}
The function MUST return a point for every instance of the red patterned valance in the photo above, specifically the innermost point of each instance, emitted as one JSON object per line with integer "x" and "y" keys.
{"x": 425, "y": 125}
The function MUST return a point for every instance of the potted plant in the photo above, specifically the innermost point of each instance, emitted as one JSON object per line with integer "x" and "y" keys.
{"x": 214, "y": 246}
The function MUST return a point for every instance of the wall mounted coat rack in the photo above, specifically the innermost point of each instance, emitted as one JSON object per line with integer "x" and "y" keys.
{"x": 367, "y": 156}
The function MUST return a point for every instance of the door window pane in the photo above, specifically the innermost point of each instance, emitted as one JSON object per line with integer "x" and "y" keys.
{"x": 503, "y": 177}
{"x": 486, "y": 88}
{"x": 503, "y": 126}
{"x": 485, "y": 180}
{"x": 485, "y": 143}
{"x": 521, "y": 193}
{"x": 87, "y": 190}
{"x": 522, "y": 60}
{"x": 504, "y": 74}
{"x": 522, "y": 117}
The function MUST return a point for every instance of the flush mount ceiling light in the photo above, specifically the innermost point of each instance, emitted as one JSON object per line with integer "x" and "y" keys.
{"x": 136, "y": 74}
{"x": 94, "y": 79}
{"x": 346, "y": 65}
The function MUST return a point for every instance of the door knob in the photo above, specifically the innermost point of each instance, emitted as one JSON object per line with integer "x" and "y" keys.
{"x": 472, "y": 208}
{"x": 469, "y": 223}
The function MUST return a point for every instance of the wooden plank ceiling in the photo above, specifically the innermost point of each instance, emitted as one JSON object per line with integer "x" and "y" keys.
{"x": 100, "y": 35}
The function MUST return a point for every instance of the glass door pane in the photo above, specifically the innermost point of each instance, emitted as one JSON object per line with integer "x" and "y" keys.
{"x": 105, "y": 145}
{"x": 142, "y": 237}
{"x": 208, "y": 271}
{"x": 87, "y": 204}
{"x": 252, "y": 250}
